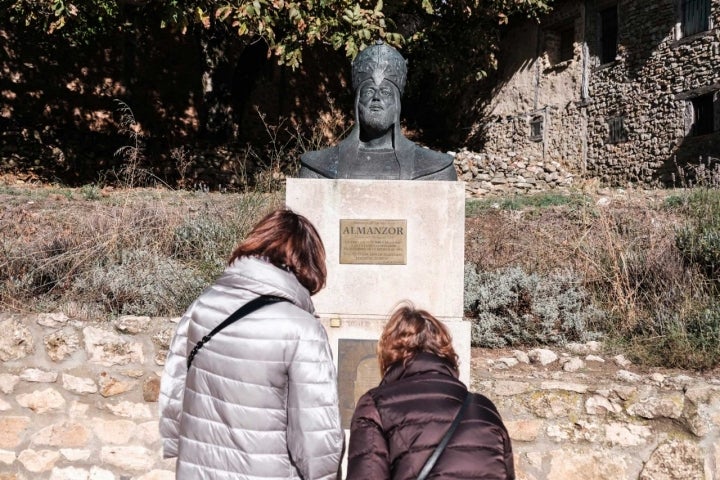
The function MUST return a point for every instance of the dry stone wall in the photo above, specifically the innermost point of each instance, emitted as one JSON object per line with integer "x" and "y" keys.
{"x": 578, "y": 415}
{"x": 534, "y": 85}
{"x": 79, "y": 402}
{"x": 514, "y": 173}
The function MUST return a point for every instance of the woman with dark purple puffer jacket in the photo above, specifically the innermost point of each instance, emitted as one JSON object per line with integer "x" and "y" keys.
{"x": 397, "y": 425}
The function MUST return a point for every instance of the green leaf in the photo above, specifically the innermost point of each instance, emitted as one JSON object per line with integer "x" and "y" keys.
{"x": 379, "y": 7}
{"x": 222, "y": 13}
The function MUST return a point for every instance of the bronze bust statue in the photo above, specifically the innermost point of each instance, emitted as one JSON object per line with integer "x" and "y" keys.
{"x": 375, "y": 148}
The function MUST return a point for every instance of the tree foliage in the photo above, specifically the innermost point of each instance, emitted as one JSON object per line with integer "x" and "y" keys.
{"x": 80, "y": 22}
{"x": 451, "y": 44}
{"x": 449, "y": 35}
{"x": 449, "y": 30}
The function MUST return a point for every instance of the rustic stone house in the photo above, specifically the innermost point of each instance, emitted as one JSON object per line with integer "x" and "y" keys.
{"x": 620, "y": 90}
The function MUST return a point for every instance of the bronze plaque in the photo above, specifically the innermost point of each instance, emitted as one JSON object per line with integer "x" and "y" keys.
{"x": 376, "y": 242}
{"x": 358, "y": 372}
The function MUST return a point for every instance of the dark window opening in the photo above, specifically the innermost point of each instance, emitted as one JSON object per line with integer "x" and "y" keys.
{"x": 567, "y": 44}
{"x": 560, "y": 44}
{"x": 616, "y": 128}
{"x": 703, "y": 115}
{"x": 695, "y": 16}
{"x": 608, "y": 34}
{"x": 536, "y": 128}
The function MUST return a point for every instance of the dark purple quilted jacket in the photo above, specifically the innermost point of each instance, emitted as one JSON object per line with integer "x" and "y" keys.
{"x": 397, "y": 425}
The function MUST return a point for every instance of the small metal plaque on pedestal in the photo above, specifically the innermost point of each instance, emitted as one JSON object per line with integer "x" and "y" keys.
{"x": 374, "y": 242}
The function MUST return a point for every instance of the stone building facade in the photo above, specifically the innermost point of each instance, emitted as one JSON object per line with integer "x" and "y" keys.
{"x": 623, "y": 91}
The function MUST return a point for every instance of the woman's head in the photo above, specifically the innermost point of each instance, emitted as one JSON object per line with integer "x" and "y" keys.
{"x": 410, "y": 331}
{"x": 288, "y": 240}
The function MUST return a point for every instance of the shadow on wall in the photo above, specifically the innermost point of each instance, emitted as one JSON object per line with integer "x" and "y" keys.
{"x": 693, "y": 152}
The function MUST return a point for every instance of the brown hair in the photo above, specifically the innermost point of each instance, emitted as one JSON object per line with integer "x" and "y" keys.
{"x": 289, "y": 241}
{"x": 410, "y": 331}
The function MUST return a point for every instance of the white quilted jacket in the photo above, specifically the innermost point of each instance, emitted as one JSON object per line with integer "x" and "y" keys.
{"x": 260, "y": 400}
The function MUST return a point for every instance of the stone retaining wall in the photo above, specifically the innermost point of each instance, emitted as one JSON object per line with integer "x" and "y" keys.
{"x": 79, "y": 402}
{"x": 488, "y": 174}
{"x": 577, "y": 415}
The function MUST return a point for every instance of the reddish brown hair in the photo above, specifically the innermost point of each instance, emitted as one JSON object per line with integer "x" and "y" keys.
{"x": 410, "y": 331}
{"x": 289, "y": 241}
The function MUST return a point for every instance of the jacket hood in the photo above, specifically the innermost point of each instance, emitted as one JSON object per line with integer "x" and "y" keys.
{"x": 420, "y": 363}
{"x": 263, "y": 278}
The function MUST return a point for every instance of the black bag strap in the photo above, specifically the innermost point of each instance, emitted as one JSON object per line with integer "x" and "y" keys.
{"x": 246, "y": 309}
{"x": 430, "y": 463}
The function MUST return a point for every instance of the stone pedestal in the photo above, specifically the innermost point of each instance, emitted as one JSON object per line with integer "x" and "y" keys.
{"x": 386, "y": 241}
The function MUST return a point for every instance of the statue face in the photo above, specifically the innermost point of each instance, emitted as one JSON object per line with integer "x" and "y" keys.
{"x": 378, "y": 106}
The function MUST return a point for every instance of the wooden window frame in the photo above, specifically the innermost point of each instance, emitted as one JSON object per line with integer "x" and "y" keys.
{"x": 537, "y": 127}
{"x": 616, "y": 130}
{"x": 694, "y": 17}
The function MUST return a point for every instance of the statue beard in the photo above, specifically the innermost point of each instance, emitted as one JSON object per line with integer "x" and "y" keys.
{"x": 376, "y": 121}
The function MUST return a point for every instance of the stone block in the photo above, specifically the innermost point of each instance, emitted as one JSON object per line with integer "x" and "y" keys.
{"x": 433, "y": 273}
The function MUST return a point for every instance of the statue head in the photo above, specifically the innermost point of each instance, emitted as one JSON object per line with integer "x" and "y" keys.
{"x": 379, "y": 74}
{"x": 379, "y": 62}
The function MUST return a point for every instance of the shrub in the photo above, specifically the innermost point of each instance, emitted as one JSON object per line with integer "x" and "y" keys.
{"x": 39, "y": 269}
{"x": 204, "y": 241}
{"x": 699, "y": 239}
{"x": 700, "y": 245}
{"x": 689, "y": 341}
{"x": 207, "y": 239}
{"x": 132, "y": 256}
{"x": 90, "y": 192}
{"x": 140, "y": 283}
{"x": 538, "y": 201}
{"x": 511, "y": 307}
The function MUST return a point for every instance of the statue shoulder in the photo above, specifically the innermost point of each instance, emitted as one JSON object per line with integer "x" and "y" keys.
{"x": 433, "y": 165}
{"x": 319, "y": 163}
{"x": 432, "y": 156}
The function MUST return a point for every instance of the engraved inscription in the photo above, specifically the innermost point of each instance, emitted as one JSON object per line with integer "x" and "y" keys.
{"x": 376, "y": 242}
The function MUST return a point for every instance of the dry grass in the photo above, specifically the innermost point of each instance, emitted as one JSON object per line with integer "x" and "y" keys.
{"x": 95, "y": 253}
{"x": 659, "y": 308}
{"x": 133, "y": 251}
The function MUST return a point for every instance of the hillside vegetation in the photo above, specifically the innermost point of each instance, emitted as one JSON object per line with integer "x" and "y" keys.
{"x": 637, "y": 270}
